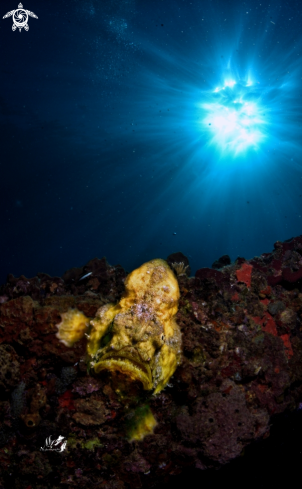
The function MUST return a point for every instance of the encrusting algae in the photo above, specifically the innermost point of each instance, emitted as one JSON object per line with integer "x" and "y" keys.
{"x": 138, "y": 336}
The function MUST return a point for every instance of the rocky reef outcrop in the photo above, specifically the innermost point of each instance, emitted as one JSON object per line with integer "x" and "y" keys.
{"x": 241, "y": 368}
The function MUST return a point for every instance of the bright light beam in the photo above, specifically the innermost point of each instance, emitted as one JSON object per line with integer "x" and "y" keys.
{"x": 235, "y": 123}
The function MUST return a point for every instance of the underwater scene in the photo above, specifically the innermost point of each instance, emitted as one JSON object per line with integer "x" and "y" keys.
{"x": 151, "y": 243}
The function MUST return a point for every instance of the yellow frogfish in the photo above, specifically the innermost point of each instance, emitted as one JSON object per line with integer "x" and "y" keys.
{"x": 137, "y": 337}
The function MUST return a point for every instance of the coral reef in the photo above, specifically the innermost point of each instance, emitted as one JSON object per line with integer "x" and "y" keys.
{"x": 240, "y": 369}
{"x": 9, "y": 367}
{"x": 222, "y": 262}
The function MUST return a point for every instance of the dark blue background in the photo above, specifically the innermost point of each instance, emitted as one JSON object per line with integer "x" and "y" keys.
{"x": 105, "y": 144}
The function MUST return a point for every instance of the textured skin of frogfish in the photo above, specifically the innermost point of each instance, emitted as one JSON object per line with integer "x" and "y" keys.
{"x": 137, "y": 337}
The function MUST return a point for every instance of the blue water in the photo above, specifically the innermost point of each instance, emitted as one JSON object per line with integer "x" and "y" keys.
{"x": 134, "y": 129}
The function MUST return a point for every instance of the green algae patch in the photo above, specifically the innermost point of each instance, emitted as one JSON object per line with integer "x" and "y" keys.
{"x": 140, "y": 422}
{"x": 92, "y": 444}
{"x": 73, "y": 442}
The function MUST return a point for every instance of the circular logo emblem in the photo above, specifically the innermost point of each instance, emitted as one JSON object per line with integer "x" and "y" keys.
{"x": 20, "y": 17}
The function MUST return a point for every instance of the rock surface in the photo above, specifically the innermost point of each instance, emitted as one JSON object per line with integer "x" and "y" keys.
{"x": 241, "y": 367}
